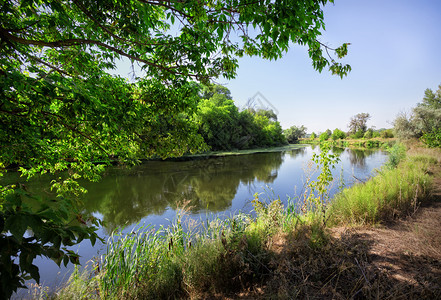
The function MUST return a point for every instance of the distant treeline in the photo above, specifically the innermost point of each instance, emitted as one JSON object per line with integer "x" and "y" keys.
{"x": 224, "y": 126}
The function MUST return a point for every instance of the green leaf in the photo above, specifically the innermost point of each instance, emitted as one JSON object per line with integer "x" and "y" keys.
{"x": 17, "y": 225}
{"x": 33, "y": 271}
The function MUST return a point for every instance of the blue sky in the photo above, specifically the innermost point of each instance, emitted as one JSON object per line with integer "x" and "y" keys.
{"x": 395, "y": 54}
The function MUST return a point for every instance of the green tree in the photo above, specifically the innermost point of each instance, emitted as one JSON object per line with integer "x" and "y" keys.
{"x": 357, "y": 124}
{"x": 431, "y": 99}
{"x": 424, "y": 121}
{"x": 224, "y": 128}
{"x": 369, "y": 133}
{"x": 387, "y": 133}
{"x": 217, "y": 119}
{"x": 269, "y": 113}
{"x": 338, "y": 134}
{"x": 313, "y": 136}
{"x": 60, "y": 109}
{"x": 324, "y": 136}
{"x": 294, "y": 133}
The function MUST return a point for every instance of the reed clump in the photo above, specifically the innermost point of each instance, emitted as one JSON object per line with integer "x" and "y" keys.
{"x": 218, "y": 256}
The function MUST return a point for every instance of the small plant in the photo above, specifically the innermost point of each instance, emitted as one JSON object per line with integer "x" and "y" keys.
{"x": 396, "y": 153}
{"x": 317, "y": 192}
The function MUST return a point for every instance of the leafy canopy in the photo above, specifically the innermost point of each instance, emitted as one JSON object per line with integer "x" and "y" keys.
{"x": 294, "y": 133}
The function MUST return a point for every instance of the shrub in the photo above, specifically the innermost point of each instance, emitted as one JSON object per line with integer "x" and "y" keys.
{"x": 396, "y": 153}
{"x": 432, "y": 139}
{"x": 368, "y": 134}
{"x": 387, "y": 134}
{"x": 338, "y": 134}
{"x": 324, "y": 136}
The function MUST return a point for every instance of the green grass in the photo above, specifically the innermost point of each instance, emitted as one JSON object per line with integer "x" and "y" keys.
{"x": 211, "y": 257}
{"x": 391, "y": 193}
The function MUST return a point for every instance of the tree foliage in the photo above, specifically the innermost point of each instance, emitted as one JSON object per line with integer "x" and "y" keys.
{"x": 61, "y": 110}
{"x": 424, "y": 121}
{"x": 294, "y": 133}
{"x": 358, "y": 124}
{"x": 223, "y": 127}
{"x": 324, "y": 136}
{"x": 337, "y": 134}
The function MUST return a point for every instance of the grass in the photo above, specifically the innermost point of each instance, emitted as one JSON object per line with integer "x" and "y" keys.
{"x": 396, "y": 190}
{"x": 279, "y": 253}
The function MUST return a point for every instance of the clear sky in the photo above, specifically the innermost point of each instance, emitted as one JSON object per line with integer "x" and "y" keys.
{"x": 395, "y": 54}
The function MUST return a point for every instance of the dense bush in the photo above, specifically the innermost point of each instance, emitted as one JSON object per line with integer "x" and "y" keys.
{"x": 324, "y": 136}
{"x": 338, "y": 134}
{"x": 432, "y": 139}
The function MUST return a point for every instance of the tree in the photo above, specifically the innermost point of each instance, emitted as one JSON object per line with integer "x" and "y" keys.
{"x": 324, "y": 136}
{"x": 368, "y": 134}
{"x": 294, "y": 133}
{"x": 269, "y": 113}
{"x": 431, "y": 99}
{"x": 358, "y": 123}
{"x": 424, "y": 121}
{"x": 338, "y": 134}
{"x": 313, "y": 136}
{"x": 60, "y": 109}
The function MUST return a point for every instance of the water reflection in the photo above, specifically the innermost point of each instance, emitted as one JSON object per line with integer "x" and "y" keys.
{"x": 126, "y": 196}
{"x": 358, "y": 157}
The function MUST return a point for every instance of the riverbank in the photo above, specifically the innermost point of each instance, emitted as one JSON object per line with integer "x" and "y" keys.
{"x": 214, "y": 154}
{"x": 278, "y": 254}
{"x": 354, "y": 143}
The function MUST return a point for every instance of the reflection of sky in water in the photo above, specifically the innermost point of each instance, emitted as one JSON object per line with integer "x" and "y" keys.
{"x": 135, "y": 196}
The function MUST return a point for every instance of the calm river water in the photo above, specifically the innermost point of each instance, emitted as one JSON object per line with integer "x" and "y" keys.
{"x": 149, "y": 193}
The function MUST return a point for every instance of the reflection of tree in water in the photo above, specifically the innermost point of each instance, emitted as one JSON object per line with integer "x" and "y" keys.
{"x": 358, "y": 157}
{"x": 296, "y": 152}
{"x": 337, "y": 151}
{"x": 125, "y": 197}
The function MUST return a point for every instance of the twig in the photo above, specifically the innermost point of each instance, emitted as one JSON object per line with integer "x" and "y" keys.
{"x": 362, "y": 272}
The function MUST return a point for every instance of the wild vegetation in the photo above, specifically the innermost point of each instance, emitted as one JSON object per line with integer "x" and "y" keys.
{"x": 61, "y": 112}
{"x": 264, "y": 254}
{"x": 424, "y": 122}
{"x": 358, "y": 133}
{"x": 224, "y": 127}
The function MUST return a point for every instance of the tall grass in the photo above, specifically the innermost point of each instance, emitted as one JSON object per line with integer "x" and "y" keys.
{"x": 211, "y": 257}
{"x": 391, "y": 193}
